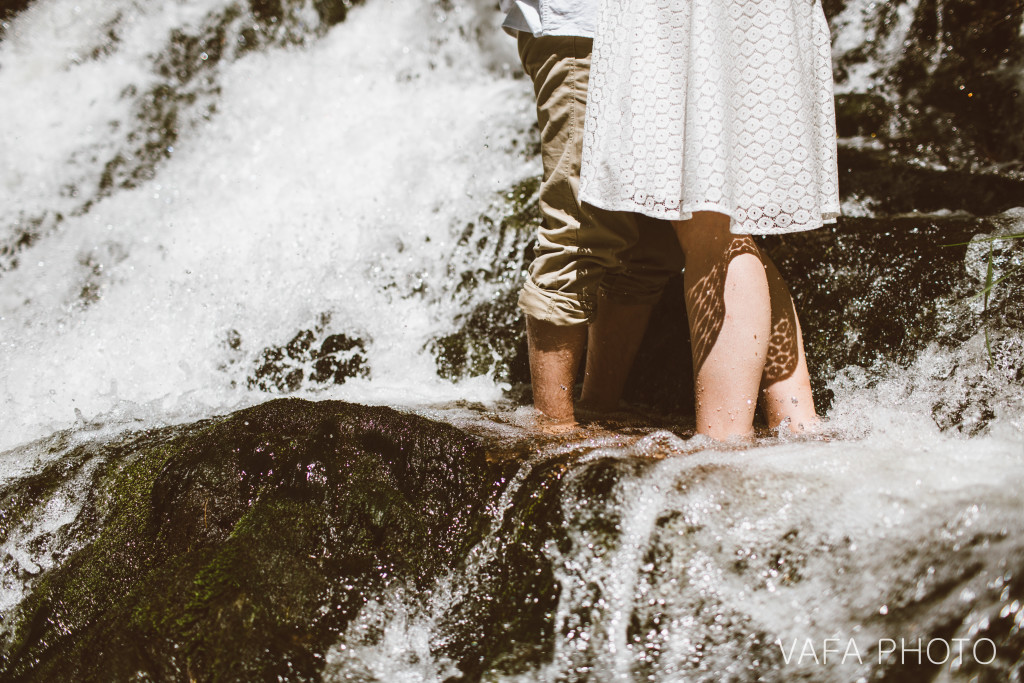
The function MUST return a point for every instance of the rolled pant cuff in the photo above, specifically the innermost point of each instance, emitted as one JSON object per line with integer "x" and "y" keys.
{"x": 551, "y": 306}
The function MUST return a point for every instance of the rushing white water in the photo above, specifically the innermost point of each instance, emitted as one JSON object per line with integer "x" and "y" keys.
{"x": 877, "y": 29}
{"x": 324, "y": 184}
{"x": 748, "y": 564}
{"x": 330, "y": 176}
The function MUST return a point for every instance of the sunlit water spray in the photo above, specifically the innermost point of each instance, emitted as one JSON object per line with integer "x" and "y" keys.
{"x": 329, "y": 180}
{"x": 324, "y": 185}
{"x": 684, "y": 562}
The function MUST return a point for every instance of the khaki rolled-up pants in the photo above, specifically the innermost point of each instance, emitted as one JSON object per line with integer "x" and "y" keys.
{"x": 581, "y": 249}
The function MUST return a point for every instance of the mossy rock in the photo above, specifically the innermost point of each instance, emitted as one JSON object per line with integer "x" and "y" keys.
{"x": 241, "y": 548}
{"x": 238, "y": 549}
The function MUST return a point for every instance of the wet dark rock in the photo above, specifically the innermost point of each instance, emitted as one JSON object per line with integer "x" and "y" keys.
{"x": 27, "y": 231}
{"x": 490, "y": 341}
{"x": 506, "y": 616}
{"x": 241, "y": 548}
{"x": 333, "y": 11}
{"x": 489, "y": 338}
{"x": 888, "y": 184}
{"x": 94, "y": 264}
{"x": 863, "y": 288}
{"x": 951, "y": 94}
{"x": 876, "y": 289}
{"x": 247, "y": 547}
{"x": 963, "y": 75}
{"x": 337, "y": 358}
{"x": 238, "y": 548}
{"x": 269, "y": 13}
{"x": 862, "y": 114}
{"x": 8, "y": 9}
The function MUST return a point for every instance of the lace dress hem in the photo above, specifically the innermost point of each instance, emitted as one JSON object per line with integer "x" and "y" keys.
{"x": 738, "y": 224}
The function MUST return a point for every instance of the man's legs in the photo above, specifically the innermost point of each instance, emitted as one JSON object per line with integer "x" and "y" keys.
{"x": 555, "y": 352}
{"x": 612, "y": 343}
{"x": 579, "y": 246}
{"x": 627, "y": 298}
{"x": 575, "y": 246}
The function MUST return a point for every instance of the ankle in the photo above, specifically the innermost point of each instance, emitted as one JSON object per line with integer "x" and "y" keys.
{"x": 547, "y": 424}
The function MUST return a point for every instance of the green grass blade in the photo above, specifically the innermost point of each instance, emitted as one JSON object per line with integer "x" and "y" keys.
{"x": 985, "y": 239}
{"x": 988, "y": 287}
{"x": 988, "y": 277}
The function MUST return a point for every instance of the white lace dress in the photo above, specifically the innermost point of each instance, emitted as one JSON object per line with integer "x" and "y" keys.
{"x": 713, "y": 105}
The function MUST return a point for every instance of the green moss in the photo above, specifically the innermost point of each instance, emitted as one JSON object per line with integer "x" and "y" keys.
{"x": 240, "y": 548}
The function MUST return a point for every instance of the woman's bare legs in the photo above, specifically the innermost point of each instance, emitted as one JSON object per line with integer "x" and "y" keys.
{"x": 786, "y": 383}
{"x": 744, "y": 331}
{"x": 729, "y": 308}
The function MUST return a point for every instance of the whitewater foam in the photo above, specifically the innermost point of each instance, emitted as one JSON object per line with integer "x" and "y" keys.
{"x": 328, "y": 174}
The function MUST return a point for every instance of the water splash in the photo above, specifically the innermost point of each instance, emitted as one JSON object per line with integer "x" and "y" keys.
{"x": 675, "y": 561}
{"x": 321, "y": 184}
{"x": 319, "y": 179}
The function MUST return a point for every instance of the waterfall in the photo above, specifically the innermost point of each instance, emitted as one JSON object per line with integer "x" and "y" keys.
{"x": 173, "y": 210}
{"x": 209, "y": 204}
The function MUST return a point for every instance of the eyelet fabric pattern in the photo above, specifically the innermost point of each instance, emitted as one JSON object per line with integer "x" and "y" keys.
{"x": 713, "y": 105}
